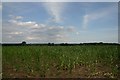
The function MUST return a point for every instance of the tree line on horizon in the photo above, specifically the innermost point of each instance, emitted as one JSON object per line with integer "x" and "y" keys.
{"x": 61, "y": 44}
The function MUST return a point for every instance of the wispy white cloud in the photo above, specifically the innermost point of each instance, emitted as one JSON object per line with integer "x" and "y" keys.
{"x": 55, "y": 9}
{"x": 17, "y": 20}
{"x": 85, "y": 21}
{"x": 71, "y": 29}
{"x": 15, "y": 17}
{"x": 77, "y": 33}
{"x": 24, "y": 24}
{"x": 30, "y": 38}
{"x": 95, "y": 15}
{"x": 17, "y": 33}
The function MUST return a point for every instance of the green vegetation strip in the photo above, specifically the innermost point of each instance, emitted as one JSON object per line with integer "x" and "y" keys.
{"x": 52, "y": 61}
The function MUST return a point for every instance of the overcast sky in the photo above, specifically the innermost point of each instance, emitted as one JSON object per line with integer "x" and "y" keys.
{"x": 60, "y": 22}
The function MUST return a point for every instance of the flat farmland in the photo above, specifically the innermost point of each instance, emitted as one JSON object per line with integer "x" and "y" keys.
{"x": 81, "y": 61}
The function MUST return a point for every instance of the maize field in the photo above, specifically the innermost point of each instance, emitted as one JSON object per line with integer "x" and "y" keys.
{"x": 84, "y": 61}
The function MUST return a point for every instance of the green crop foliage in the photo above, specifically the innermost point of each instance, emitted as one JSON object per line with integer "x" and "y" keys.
{"x": 41, "y": 59}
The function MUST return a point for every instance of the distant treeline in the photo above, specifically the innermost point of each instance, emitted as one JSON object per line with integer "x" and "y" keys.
{"x": 53, "y": 44}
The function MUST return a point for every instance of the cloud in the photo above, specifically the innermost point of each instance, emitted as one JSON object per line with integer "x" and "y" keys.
{"x": 24, "y": 24}
{"x": 95, "y": 15}
{"x": 85, "y": 21}
{"x": 30, "y": 38}
{"x": 77, "y": 33}
{"x": 55, "y": 9}
{"x": 29, "y": 24}
{"x": 15, "y": 17}
{"x": 17, "y": 30}
{"x": 17, "y": 20}
{"x": 50, "y": 33}
{"x": 71, "y": 29}
{"x": 17, "y": 33}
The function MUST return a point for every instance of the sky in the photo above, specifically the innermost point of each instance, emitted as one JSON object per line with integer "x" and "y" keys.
{"x": 58, "y": 22}
{"x": 59, "y": 0}
{"x": 0, "y": 23}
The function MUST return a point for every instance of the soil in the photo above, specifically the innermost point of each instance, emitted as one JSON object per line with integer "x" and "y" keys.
{"x": 79, "y": 71}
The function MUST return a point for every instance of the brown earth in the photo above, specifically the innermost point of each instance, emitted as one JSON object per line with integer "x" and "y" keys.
{"x": 79, "y": 71}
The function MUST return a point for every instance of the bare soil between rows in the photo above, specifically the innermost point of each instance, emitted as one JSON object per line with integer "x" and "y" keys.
{"x": 79, "y": 71}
